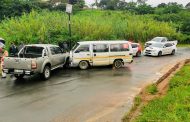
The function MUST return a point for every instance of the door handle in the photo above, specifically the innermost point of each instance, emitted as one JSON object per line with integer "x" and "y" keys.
{"x": 94, "y": 54}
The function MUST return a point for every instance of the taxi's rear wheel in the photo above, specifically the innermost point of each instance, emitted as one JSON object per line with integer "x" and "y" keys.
{"x": 83, "y": 65}
{"x": 117, "y": 64}
{"x": 138, "y": 54}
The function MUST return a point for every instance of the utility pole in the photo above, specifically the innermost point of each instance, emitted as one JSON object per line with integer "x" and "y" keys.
{"x": 69, "y": 11}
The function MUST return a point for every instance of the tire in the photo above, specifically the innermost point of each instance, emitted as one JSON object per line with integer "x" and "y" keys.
{"x": 46, "y": 73}
{"x": 138, "y": 54}
{"x": 83, "y": 65}
{"x": 19, "y": 76}
{"x": 117, "y": 64}
{"x": 159, "y": 53}
{"x": 173, "y": 52}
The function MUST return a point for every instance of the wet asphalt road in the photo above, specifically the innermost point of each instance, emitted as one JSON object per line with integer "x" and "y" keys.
{"x": 98, "y": 94}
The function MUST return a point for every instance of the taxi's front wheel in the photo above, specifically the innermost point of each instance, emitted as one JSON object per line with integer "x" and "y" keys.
{"x": 83, "y": 65}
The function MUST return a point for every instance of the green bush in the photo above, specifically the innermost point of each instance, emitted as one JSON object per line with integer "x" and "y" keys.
{"x": 52, "y": 27}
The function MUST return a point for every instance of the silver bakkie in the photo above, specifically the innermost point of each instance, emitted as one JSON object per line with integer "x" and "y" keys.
{"x": 36, "y": 58}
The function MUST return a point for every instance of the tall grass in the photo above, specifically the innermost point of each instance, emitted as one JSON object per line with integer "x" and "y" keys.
{"x": 52, "y": 27}
{"x": 175, "y": 106}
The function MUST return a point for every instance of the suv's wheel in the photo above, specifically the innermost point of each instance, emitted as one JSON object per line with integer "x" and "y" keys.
{"x": 46, "y": 73}
{"x": 173, "y": 52}
{"x": 118, "y": 64}
{"x": 19, "y": 76}
{"x": 138, "y": 54}
{"x": 159, "y": 53}
{"x": 83, "y": 65}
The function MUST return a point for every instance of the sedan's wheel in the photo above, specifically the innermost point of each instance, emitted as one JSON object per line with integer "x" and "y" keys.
{"x": 118, "y": 64}
{"x": 83, "y": 65}
{"x": 138, "y": 54}
{"x": 159, "y": 54}
{"x": 19, "y": 76}
{"x": 46, "y": 73}
{"x": 173, "y": 52}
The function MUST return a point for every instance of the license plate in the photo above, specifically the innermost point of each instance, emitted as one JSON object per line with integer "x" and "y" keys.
{"x": 18, "y": 71}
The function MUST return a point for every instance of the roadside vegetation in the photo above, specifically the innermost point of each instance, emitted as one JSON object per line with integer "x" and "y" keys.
{"x": 36, "y": 21}
{"x": 52, "y": 27}
{"x": 175, "y": 105}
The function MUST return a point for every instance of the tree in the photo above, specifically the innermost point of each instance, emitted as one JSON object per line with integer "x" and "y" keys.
{"x": 109, "y": 4}
{"x": 141, "y": 1}
{"x": 162, "y": 5}
{"x": 145, "y": 9}
{"x": 188, "y": 6}
{"x": 173, "y": 7}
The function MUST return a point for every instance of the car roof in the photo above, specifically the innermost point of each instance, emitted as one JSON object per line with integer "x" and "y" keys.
{"x": 42, "y": 45}
{"x": 103, "y": 42}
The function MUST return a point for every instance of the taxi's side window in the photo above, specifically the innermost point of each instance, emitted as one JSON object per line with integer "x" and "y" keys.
{"x": 100, "y": 48}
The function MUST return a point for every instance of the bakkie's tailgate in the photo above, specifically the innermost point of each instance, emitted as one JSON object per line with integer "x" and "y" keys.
{"x": 17, "y": 63}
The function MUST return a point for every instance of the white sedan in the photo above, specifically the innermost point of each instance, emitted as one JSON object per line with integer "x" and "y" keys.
{"x": 159, "y": 49}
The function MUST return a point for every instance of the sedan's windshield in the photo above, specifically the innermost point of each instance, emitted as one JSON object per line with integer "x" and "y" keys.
{"x": 157, "y": 39}
{"x": 156, "y": 45}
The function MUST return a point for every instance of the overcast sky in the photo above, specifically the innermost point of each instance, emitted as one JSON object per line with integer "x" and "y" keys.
{"x": 152, "y": 2}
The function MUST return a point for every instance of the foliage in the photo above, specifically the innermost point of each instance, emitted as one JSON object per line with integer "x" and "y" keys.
{"x": 12, "y": 8}
{"x": 152, "y": 89}
{"x": 52, "y": 27}
{"x": 175, "y": 105}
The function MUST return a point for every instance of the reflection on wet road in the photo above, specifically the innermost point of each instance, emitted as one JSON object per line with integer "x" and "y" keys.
{"x": 98, "y": 94}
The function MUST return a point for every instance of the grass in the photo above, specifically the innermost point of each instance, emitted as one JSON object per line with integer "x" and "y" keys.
{"x": 183, "y": 45}
{"x": 152, "y": 89}
{"x": 175, "y": 106}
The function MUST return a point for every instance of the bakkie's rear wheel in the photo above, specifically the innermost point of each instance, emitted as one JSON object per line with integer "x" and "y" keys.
{"x": 118, "y": 64}
{"x": 46, "y": 73}
{"x": 83, "y": 65}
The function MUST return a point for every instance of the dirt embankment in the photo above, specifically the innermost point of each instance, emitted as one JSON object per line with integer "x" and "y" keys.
{"x": 162, "y": 85}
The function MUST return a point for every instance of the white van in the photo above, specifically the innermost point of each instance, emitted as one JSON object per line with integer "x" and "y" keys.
{"x": 101, "y": 53}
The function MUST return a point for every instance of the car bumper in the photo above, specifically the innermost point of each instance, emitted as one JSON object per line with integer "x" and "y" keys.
{"x": 151, "y": 53}
{"x": 18, "y": 71}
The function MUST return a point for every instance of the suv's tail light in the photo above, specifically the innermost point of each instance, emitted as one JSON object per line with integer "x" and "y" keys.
{"x": 34, "y": 64}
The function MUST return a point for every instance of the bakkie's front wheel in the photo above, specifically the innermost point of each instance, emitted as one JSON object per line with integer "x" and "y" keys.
{"x": 83, "y": 65}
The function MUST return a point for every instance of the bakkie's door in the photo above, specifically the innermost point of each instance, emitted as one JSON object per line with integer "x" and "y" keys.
{"x": 100, "y": 54}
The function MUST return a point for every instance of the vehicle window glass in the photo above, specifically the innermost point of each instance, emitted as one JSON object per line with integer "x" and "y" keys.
{"x": 168, "y": 45}
{"x": 52, "y": 50}
{"x": 57, "y": 50}
{"x": 119, "y": 47}
{"x": 100, "y": 48}
{"x": 134, "y": 45}
{"x": 83, "y": 48}
{"x": 33, "y": 52}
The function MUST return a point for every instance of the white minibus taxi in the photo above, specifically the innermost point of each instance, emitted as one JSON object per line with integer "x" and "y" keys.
{"x": 101, "y": 53}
